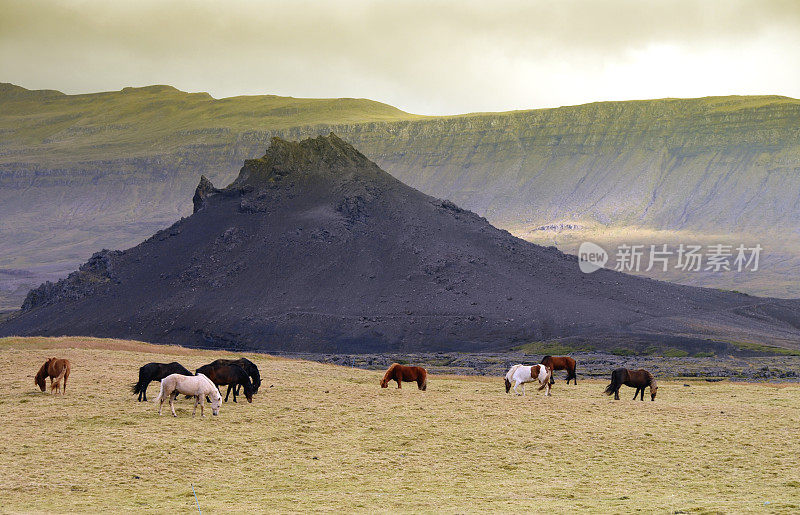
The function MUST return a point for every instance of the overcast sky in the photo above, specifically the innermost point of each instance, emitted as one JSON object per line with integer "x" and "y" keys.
{"x": 422, "y": 56}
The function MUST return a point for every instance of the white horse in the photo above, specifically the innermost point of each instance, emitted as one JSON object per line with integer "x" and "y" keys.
{"x": 521, "y": 374}
{"x": 198, "y": 386}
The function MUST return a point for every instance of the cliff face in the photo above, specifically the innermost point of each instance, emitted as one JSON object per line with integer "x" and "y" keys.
{"x": 82, "y": 172}
{"x": 314, "y": 248}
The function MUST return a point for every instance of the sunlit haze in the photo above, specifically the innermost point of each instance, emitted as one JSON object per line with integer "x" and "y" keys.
{"x": 424, "y": 57}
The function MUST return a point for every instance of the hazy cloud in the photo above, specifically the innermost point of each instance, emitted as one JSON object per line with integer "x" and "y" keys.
{"x": 422, "y": 56}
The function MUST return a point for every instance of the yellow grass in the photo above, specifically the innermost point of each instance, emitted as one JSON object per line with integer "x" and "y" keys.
{"x": 327, "y": 438}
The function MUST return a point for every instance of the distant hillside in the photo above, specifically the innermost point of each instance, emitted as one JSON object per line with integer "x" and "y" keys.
{"x": 82, "y": 172}
{"x": 314, "y": 248}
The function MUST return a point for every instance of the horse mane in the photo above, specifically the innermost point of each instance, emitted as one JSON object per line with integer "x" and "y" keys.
{"x": 41, "y": 374}
{"x": 388, "y": 375}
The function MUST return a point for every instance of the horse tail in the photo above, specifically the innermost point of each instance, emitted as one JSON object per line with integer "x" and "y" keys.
{"x": 546, "y": 378}
{"x": 61, "y": 374}
{"x": 613, "y": 386}
{"x": 617, "y": 378}
{"x": 137, "y": 387}
{"x": 160, "y": 392}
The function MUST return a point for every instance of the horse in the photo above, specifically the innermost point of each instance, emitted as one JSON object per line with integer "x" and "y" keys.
{"x": 561, "y": 363}
{"x": 222, "y": 374}
{"x": 522, "y": 374}
{"x": 249, "y": 367}
{"x": 197, "y": 386}
{"x": 56, "y": 369}
{"x": 639, "y": 379}
{"x": 156, "y": 372}
{"x": 400, "y": 373}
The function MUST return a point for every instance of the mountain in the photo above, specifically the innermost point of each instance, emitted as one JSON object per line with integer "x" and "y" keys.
{"x": 81, "y": 172}
{"x": 314, "y": 248}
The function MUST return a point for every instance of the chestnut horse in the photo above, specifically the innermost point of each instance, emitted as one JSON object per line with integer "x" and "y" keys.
{"x": 561, "y": 363}
{"x": 57, "y": 370}
{"x": 639, "y": 379}
{"x": 400, "y": 373}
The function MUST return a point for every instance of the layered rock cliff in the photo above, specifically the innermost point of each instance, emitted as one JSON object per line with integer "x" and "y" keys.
{"x": 314, "y": 248}
{"x": 81, "y": 172}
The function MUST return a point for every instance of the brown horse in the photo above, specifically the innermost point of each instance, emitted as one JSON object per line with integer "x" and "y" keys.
{"x": 561, "y": 363}
{"x": 639, "y": 379}
{"x": 400, "y": 373}
{"x": 57, "y": 370}
{"x": 222, "y": 374}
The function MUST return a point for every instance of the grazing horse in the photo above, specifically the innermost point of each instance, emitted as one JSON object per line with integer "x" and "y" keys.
{"x": 639, "y": 379}
{"x": 197, "y": 386}
{"x": 249, "y": 367}
{"x": 521, "y": 374}
{"x": 561, "y": 363}
{"x": 57, "y": 370}
{"x": 400, "y": 373}
{"x": 156, "y": 372}
{"x": 221, "y": 374}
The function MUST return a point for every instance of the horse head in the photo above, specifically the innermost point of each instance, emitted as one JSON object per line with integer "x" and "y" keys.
{"x": 248, "y": 391}
{"x": 216, "y": 401}
{"x": 388, "y": 376}
{"x": 41, "y": 375}
{"x": 213, "y": 394}
{"x": 653, "y": 389}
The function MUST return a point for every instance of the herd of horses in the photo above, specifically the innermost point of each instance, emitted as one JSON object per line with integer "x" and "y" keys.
{"x": 243, "y": 374}
{"x": 518, "y": 375}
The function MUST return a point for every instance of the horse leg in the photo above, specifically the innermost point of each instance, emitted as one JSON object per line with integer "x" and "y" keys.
{"x": 522, "y": 385}
{"x": 234, "y": 393}
{"x": 228, "y": 393}
{"x": 547, "y": 389}
{"x": 202, "y": 405}
{"x": 616, "y": 393}
{"x": 642, "y": 392}
{"x": 143, "y": 393}
{"x": 398, "y": 383}
{"x": 196, "y": 402}
{"x": 172, "y": 397}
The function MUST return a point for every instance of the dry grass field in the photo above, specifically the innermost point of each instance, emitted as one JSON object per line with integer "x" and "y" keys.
{"x": 326, "y": 438}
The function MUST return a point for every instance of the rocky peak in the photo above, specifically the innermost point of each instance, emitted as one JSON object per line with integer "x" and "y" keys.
{"x": 323, "y": 155}
{"x": 204, "y": 190}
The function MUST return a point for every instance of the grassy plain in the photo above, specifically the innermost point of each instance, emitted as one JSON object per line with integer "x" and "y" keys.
{"x": 326, "y": 438}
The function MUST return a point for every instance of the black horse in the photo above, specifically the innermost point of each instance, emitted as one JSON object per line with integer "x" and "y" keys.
{"x": 639, "y": 379}
{"x": 232, "y": 375}
{"x": 156, "y": 372}
{"x": 249, "y": 367}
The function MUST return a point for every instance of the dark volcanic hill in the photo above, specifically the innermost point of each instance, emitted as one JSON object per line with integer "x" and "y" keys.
{"x": 314, "y": 248}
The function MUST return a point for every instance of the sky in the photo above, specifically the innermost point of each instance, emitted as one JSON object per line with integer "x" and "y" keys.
{"x": 425, "y": 57}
